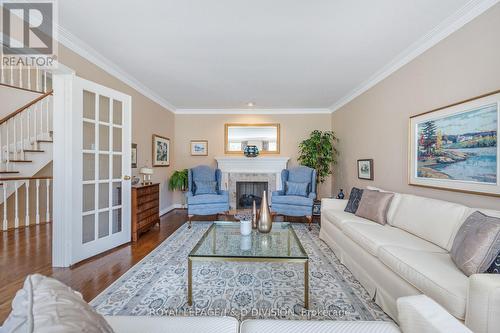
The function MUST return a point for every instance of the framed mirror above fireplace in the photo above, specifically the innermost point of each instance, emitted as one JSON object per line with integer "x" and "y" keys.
{"x": 265, "y": 136}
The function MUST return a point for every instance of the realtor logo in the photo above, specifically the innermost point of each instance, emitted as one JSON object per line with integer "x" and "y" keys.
{"x": 28, "y": 33}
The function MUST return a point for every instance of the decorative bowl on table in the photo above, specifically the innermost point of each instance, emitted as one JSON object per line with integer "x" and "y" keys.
{"x": 251, "y": 151}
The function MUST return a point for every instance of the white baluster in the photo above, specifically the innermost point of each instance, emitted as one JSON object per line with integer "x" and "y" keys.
{"x": 11, "y": 75}
{"x": 16, "y": 207}
{"x": 1, "y": 147}
{"x": 29, "y": 126}
{"x": 47, "y": 213}
{"x": 15, "y": 138}
{"x": 20, "y": 75}
{"x": 27, "y": 218}
{"x": 29, "y": 78}
{"x": 7, "y": 141}
{"x": 38, "y": 201}
{"x": 44, "y": 81}
{"x": 5, "y": 222}
{"x": 23, "y": 154}
{"x": 37, "y": 71}
{"x": 48, "y": 117}
{"x": 35, "y": 107}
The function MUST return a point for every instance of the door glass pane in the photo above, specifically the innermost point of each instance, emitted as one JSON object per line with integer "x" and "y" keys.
{"x": 103, "y": 224}
{"x": 117, "y": 139}
{"x": 117, "y": 166}
{"x": 88, "y": 135}
{"x": 117, "y": 220}
{"x": 117, "y": 112}
{"x": 88, "y": 197}
{"x": 88, "y": 166}
{"x": 104, "y": 137}
{"x": 88, "y": 228}
{"x": 103, "y": 166}
{"x": 103, "y": 195}
{"x": 117, "y": 193}
{"x": 88, "y": 105}
{"x": 104, "y": 109}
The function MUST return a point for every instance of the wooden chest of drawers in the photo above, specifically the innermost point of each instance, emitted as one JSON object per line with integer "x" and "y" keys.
{"x": 145, "y": 208}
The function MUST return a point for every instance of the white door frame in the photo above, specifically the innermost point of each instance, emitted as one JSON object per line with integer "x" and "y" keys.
{"x": 67, "y": 170}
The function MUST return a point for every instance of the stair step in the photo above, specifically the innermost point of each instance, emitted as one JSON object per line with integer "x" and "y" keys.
{"x": 48, "y": 141}
{"x": 33, "y": 151}
{"x": 8, "y": 172}
{"x": 20, "y": 161}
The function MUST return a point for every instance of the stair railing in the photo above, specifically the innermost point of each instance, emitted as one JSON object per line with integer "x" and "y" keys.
{"x": 29, "y": 204}
{"x": 26, "y": 78}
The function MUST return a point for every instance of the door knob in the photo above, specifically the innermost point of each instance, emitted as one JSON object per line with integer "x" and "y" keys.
{"x": 126, "y": 177}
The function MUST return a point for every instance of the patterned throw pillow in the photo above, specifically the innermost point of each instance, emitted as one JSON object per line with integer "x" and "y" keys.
{"x": 495, "y": 266}
{"x": 300, "y": 189}
{"x": 205, "y": 187}
{"x": 354, "y": 199}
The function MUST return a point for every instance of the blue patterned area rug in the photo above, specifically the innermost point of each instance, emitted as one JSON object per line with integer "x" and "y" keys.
{"x": 157, "y": 285}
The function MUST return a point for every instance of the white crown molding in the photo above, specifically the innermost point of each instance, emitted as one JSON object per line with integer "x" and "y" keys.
{"x": 84, "y": 50}
{"x": 254, "y": 111}
{"x": 464, "y": 15}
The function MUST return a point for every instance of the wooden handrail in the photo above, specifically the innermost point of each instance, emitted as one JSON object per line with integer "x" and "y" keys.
{"x": 21, "y": 109}
{"x": 19, "y": 88}
{"x": 26, "y": 178}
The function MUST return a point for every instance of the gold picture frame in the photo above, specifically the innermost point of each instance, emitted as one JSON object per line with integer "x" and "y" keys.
{"x": 199, "y": 147}
{"x": 227, "y": 127}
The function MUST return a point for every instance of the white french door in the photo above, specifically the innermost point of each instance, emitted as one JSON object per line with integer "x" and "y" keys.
{"x": 101, "y": 167}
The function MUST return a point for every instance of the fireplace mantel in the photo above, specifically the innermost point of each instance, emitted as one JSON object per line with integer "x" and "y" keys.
{"x": 236, "y": 168}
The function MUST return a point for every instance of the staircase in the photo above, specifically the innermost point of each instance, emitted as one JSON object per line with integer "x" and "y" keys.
{"x": 26, "y": 149}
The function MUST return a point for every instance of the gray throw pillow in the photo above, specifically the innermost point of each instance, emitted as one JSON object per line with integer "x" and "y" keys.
{"x": 477, "y": 244}
{"x": 205, "y": 187}
{"x": 295, "y": 188}
{"x": 354, "y": 199}
{"x": 374, "y": 205}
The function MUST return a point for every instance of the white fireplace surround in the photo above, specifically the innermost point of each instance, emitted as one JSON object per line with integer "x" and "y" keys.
{"x": 262, "y": 167}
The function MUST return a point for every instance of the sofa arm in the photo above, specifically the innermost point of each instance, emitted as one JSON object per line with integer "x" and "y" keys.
{"x": 335, "y": 204}
{"x": 483, "y": 303}
{"x": 419, "y": 314}
{"x": 277, "y": 193}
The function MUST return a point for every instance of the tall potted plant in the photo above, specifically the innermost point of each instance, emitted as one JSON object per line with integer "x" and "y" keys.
{"x": 319, "y": 152}
{"x": 179, "y": 181}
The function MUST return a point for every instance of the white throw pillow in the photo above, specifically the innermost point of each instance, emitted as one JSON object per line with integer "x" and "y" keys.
{"x": 45, "y": 305}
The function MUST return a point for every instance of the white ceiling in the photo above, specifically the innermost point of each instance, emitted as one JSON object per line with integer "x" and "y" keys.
{"x": 278, "y": 54}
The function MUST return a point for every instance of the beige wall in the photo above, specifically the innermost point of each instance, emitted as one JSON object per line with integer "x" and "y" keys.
{"x": 148, "y": 118}
{"x": 375, "y": 125}
{"x": 294, "y": 128}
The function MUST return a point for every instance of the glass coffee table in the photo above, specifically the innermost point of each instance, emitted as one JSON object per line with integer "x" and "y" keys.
{"x": 223, "y": 242}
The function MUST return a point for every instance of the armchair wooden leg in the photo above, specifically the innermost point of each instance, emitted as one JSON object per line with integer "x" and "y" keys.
{"x": 190, "y": 217}
{"x": 309, "y": 221}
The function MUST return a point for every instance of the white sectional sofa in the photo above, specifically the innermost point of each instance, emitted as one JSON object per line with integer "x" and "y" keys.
{"x": 410, "y": 256}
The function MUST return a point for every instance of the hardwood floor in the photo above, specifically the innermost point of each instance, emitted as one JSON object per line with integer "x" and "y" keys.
{"x": 28, "y": 250}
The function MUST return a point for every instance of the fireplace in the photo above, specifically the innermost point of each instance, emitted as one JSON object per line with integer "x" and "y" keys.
{"x": 247, "y": 192}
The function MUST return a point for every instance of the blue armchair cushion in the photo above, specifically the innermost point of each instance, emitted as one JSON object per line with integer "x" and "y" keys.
{"x": 297, "y": 188}
{"x": 293, "y": 200}
{"x": 207, "y": 199}
{"x": 205, "y": 187}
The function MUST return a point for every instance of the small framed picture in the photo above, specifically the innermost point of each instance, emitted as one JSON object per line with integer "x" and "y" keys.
{"x": 365, "y": 169}
{"x": 133, "y": 155}
{"x": 199, "y": 148}
{"x": 161, "y": 151}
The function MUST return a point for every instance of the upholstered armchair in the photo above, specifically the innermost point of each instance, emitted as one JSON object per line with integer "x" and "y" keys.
{"x": 204, "y": 195}
{"x": 298, "y": 193}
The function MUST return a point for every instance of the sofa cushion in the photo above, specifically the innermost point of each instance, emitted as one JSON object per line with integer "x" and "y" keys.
{"x": 207, "y": 199}
{"x": 339, "y": 218}
{"x": 316, "y": 326}
{"x": 45, "y": 305}
{"x": 434, "y": 274}
{"x": 165, "y": 324}
{"x": 394, "y": 203}
{"x": 294, "y": 200}
{"x": 433, "y": 220}
{"x": 477, "y": 243}
{"x": 373, "y": 236}
{"x": 374, "y": 206}
{"x": 354, "y": 199}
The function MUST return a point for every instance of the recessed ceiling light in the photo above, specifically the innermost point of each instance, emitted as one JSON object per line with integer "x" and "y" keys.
{"x": 250, "y": 104}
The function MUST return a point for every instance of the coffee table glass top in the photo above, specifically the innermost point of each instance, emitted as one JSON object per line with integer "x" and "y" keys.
{"x": 223, "y": 239}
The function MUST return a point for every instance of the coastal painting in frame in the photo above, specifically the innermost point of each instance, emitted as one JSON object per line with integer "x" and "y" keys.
{"x": 199, "y": 148}
{"x": 456, "y": 147}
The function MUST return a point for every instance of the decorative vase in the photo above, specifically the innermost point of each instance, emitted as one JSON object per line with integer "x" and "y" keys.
{"x": 251, "y": 151}
{"x": 341, "y": 194}
{"x": 265, "y": 219}
{"x": 254, "y": 215}
{"x": 245, "y": 227}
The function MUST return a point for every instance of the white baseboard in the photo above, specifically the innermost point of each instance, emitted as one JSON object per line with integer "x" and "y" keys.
{"x": 169, "y": 209}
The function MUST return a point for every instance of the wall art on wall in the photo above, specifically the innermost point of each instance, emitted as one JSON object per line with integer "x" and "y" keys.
{"x": 133, "y": 155}
{"x": 456, "y": 147}
{"x": 161, "y": 151}
{"x": 199, "y": 148}
{"x": 365, "y": 169}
